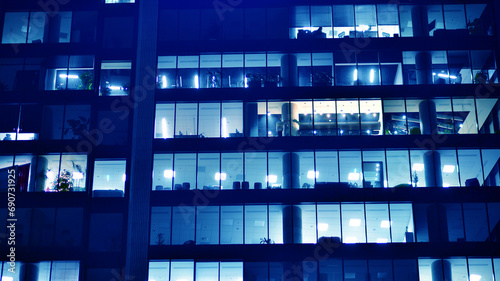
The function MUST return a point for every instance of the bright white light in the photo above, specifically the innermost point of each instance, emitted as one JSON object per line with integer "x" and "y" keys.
{"x": 220, "y": 176}
{"x": 385, "y": 224}
{"x": 107, "y": 177}
{"x": 68, "y": 76}
{"x": 246, "y": 82}
{"x": 124, "y": 177}
{"x": 448, "y": 168}
{"x": 354, "y": 222}
{"x": 271, "y": 178}
{"x": 419, "y": 167}
{"x": 77, "y": 175}
{"x": 355, "y": 75}
{"x": 322, "y": 226}
{"x": 372, "y": 75}
{"x": 382, "y": 240}
{"x": 164, "y": 128}
{"x": 50, "y": 174}
{"x": 328, "y": 115}
{"x": 270, "y": 133}
{"x": 368, "y": 131}
{"x": 314, "y": 132}
{"x": 474, "y": 277}
{"x": 169, "y": 174}
{"x": 395, "y": 132}
{"x": 350, "y": 240}
{"x": 312, "y": 174}
{"x": 225, "y": 134}
{"x": 164, "y": 82}
{"x": 404, "y": 117}
{"x": 7, "y": 278}
{"x": 363, "y": 27}
{"x": 115, "y": 87}
{"x": 341, "y": 132}
{"x": 443, "y": 75}
{"x": 446, "y": 185}
{"x": 268, "y": 113}
{"x": 196, "y": 82}
{"x": 353, "y": 176}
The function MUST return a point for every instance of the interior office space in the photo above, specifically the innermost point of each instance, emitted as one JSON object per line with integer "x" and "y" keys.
{"x": 248, "y": 140}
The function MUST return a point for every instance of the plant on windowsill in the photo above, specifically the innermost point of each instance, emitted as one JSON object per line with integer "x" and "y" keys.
{"x": 63, "y": 183}
{"x": 265, "y": 240}
{"x": 87, "y": 80}
{"x": 415, "y": 131}
{"x": 160, "y": 239}
{"x": 480, "y": 78}
{"x": 474, "y": 27}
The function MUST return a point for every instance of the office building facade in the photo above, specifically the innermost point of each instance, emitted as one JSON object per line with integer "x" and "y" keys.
{"x": 250, "y": 140}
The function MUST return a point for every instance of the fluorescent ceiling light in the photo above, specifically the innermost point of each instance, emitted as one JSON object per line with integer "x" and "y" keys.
{"x": 372, "y": 75}
{"x": 312, "y": 174}
{"x": 271, "y": 178}
{"x": 419, "y": 167}
{"x": 169, "y": 174}
{"x": 353, "y": 176}
{"x": 124, "y": 177}
{"x": 382, "y": 240}
{"x": 164, "y": 128}
{"x": 385, "y": 224}
{"x": 355, "y": 75}
{"x": 354, "y": 222}
{"x": 474, "y": 277}
{"x": 322, "y": 226}
{"x": 68, "y": 76}
{"x": 220, "y": 176}
{"x": 164, "y": 82}
{"x": 448, "y": 168}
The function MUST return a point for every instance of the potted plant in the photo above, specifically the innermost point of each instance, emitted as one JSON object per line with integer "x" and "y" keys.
{"x": 87, "y": 80}
{"x": 480, "y": 78}
{"x": 78, "y": 127}
{"x": 63, "y": 183}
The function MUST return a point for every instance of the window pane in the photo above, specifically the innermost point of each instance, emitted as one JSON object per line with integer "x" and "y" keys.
{"x": 42, "y": 227}
{"x": 81, "y": 73}
{"x": 164, "y": 121}
{"x": 491, "y": 165}
{"x": 321, "y": 17}
{"x": 371, "y": 117}
{"x": 350, "y": 168}
{"x": 348, "y": 117}
{"x": 163, "y": 172}
{"x": 405, "y": 270}
{"x": 328, "y": 220}
{"x": 209, "y": 120}
{"x": 454, "y": 16}
{"x": 469, "y": 163}
{"x": 366, "y": 23}
{"x": 391, "y": 71}
{"x": 181, "y": 270}
{"x": 343, "y": 21}
{"x": 187, "y": 72}
{"x": 161, "y": 221}
{"x": 280, "y": 218}
{"x": 76, "y": 122}
{"x": 304, "y": 169}
{"x": 167, "y": 77}
{"x": 353, "y": 223}
{"x": 388, "y": 22}
{"x": 232, "y": 168}
{"x": 494, "y": 218}
{"x": 450, "y": 222}
{"x": 231, "y": 225}
{"x": 115, "y": 78}
{"x": 256, "y": 224}
{"x": 460, "y": 67}
{"x": 330, "y": 269}
{"x": 230, "y": 271}
{"x": 60, "y": 27}
{"x": 476, "y": 224}
{"x": 159, "y": 270}
{"x": 232, "y": 119}
{"x": 207, "y": 225}
{"x": 207, "y": 271}
{"x": 84, "y": 26}
{"x": 481, "y": 267}
{"x": 355, "y": 270}
{"x": 308, "y": 215}
{"x": 464, "y": 115}
{"x": 52, "y": 122}
{"x": 232, "y": 71}
{"x": 109, "y": 178}
{"x": 398, "y": 168}
{"x": 186, "y": 120}
{"x": 279, "y": 166}
{"x": 15, "y": 28}
{"x": 185, "y": 168}
{"x": 183, "y": 226}
{"x": 209, "y": 175}
{"x": 449, "y": 167}
{"x": 65, "y": 271}
{"x": 380, "y": 270}
{"x": 48, "y": 173}
{"x": 256, "y": 169}
{"x": 402, "y": 229}
{"x": 304, "y": 111}
{"x": 377, "y": 223}
{"x": 76, "y": 167}
{"x": 210, "y": 71}
{"x": 325, "y": 118}
{"x": 374, "y": 169}
{"x": 327, "y": 167}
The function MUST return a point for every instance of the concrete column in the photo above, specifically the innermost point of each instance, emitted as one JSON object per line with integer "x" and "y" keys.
{"x": 432, "y": 164}
{"x": 28, "y": 272}
{"x": 289, "y": 71}
{"x": 437, "y": 223}
{"x": 251, "y": 126}
{"x": 292, "y": 225}
{"x": 141, "y": 163}
{"x": 428, "y": 117}
{"x": 441, "y": 270}
{"x": 290, "y": 119}
{"x": 420, "y": 21}
{"x": 423, "y": 68}
{"x": 291, "y": 175}
{"x": 38, "y": 178}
